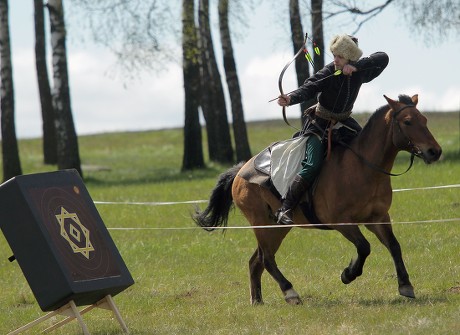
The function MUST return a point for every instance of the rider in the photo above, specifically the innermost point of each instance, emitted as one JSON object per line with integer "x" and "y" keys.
{"x": 336, "y": 93}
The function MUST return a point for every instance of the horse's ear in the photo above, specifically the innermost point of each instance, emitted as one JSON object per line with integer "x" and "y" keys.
{"x": 415, "y": 99}
{"x": 391, "y": 102}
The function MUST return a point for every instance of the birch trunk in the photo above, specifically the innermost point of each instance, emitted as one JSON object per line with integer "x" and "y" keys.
{"x": 10, "y": 152}
{"x": 213, "y": 100}
{"x": 67, "y": 143}
{"x": 243, "y": 152}
{"x": 193, "y": 149}
{"x": 49, "y": 131}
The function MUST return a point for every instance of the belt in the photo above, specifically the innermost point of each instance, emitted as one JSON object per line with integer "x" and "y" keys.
{"x": 326, "y": 114}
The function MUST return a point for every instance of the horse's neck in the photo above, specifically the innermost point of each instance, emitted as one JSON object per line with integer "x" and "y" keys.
{"x": 375, "y": 145}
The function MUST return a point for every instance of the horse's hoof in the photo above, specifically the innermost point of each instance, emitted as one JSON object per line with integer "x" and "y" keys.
{"x": 345, "y": 278}
{"x": 407, "y": 291}
{"x": 293, "y": 301}
{"x": 292, "y": 297}
{"x": 256, "y": 302}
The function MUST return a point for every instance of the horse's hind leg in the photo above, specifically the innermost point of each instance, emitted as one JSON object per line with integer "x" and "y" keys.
{"x": 269, "y": 242}
{"x": 256, "y": 268}
{"x": 385, "y": 234}
{"x": 249, "y": 200}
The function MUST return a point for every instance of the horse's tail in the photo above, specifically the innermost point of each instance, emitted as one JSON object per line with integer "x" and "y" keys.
{"x": 220, "y": 202}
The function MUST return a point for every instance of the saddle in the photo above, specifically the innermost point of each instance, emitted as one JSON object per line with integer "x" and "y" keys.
{"x": 259, "y": 172}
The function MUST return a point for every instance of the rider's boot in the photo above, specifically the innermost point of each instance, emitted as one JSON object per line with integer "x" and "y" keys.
{"x": 297, "y": 188}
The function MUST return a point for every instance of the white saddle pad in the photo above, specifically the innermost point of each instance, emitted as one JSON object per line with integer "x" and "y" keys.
{"x": 286, "y": 161}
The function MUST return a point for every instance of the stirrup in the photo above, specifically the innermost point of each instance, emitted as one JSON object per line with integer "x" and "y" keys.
{"x": 284, "y": 217}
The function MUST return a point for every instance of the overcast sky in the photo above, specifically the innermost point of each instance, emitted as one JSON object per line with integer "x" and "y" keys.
{"x": 101, "y": 102}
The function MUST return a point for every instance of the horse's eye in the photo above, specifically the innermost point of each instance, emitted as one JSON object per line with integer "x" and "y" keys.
{"x": 407, "y": 122}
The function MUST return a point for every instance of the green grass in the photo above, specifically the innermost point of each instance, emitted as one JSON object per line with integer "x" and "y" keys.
{"x": 189, "y": 281}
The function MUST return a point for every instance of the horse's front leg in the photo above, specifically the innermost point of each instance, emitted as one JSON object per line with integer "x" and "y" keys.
{"x": 385, "y": 234}
{"x": 355, "y": 268}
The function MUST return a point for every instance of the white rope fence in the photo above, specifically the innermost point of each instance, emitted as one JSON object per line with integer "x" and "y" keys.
{"x": 289, "y": 226}
{"x": 273, "y": 226}
{"x": 204, "y": 201}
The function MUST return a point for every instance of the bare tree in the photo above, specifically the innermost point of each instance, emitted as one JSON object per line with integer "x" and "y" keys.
{"x": 212, "y": 97}
{"x": 318, "y": 36}
{"x": 434, "y": 20}
{"x": 297, "y": 35}
{"x": 67, "y": 142}
{"x": 141, "y": 34}
{"x": 243, "y": 151}
{"x": 193, "y": 150}
{"x": 49, "y": 130}
{"x": 10, "y": 152}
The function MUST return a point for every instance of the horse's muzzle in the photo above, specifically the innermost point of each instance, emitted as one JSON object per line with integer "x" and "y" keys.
{"x": 430, "y": 155}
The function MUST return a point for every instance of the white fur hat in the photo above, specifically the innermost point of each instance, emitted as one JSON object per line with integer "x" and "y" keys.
{"x": 344, "y": 46}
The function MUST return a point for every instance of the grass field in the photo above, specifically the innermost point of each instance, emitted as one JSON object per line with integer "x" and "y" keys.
{"x": 189, "y": 281}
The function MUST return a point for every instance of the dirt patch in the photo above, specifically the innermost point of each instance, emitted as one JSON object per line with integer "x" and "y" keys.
{"x": 454, "y": 289}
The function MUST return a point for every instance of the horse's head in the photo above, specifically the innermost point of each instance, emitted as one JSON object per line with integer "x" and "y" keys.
{"x": 410, "y": 131}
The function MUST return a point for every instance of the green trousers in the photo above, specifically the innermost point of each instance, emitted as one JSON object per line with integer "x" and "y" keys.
{"x": 314, "y": 157}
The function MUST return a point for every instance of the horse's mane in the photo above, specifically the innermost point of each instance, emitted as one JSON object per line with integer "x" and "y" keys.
{"x": 383, "y": 110}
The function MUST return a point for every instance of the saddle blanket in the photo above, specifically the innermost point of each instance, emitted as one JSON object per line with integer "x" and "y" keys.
{"x": 285, "y": 163}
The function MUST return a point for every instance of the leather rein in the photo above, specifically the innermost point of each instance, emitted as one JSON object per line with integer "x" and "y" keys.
{"x": 414, "y": 150}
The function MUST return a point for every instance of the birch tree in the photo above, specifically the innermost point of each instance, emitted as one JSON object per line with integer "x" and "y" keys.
{"x": 67, "y": 142}
{"x": 10, "y": 152}
{"x": 49, "y": 130}
{"x": 243, "y": 152}
{"x": 212, "y": 95}
{"x": 298, "y": 36}
{"x": 193, "y": 149}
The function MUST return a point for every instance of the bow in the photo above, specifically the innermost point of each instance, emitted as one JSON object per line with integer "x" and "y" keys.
{"x": 280, "y": 79}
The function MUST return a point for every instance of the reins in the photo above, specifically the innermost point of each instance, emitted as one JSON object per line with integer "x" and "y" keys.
{"x": 378, "y": 168}
{"x": 364, "y": 160}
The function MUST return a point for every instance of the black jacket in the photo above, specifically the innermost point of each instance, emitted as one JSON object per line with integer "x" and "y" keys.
{"x": 338, "y": 93}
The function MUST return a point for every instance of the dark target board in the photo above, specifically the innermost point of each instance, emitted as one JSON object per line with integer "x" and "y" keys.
{"x": 59, "y": 240}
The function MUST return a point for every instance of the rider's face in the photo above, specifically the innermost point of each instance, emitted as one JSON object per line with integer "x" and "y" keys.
{"x": 339, "y": 62}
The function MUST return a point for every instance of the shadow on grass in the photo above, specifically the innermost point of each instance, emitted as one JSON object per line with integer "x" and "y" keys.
{"x": 154, "y": 176}
{"x": 398, "y": 301}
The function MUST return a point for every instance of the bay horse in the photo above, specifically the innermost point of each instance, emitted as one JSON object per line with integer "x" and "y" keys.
{"x": 352, "y": 189}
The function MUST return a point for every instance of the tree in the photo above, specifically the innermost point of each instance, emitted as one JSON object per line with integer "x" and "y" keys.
{"x": 243, "y": 151}
{"x": 49, "y": 130}
{"x": 10, "y": 152}
{"x": 67, "y": 142}
{"x": 298, "y": 36}
{"x": 212, "y": 95}
{"x": 193, "y": 150}
{"x": 317, "y": 29}
{"x": 137, "y": 32}
{"x": 434, "y": 20}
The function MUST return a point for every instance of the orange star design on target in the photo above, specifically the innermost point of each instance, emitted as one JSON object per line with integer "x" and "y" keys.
{"x": 74, "y": 232}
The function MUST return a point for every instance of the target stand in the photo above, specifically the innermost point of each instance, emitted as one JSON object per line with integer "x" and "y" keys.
{"x": 70, "y": 312}
{"x": 62, "y": 246}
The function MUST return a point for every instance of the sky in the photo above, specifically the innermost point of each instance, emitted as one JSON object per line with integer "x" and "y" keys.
{"x": 102, "y": 102}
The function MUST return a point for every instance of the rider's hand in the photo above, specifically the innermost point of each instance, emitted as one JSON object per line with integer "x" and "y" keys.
{"x": 348, "y": 69}
{"x": 284, "y": 100}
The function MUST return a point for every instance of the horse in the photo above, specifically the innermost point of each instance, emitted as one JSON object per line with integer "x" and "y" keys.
{"x": 352, "y": 189}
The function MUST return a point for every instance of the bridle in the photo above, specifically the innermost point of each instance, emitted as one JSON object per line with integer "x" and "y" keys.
{"x": 414, "y": 150}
